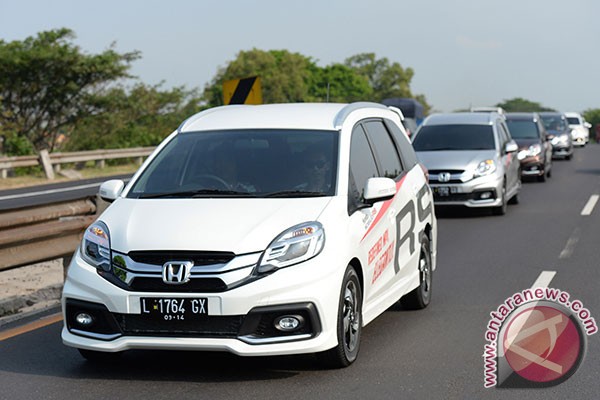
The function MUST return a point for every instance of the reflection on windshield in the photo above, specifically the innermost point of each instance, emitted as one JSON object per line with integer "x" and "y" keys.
{"x": 242, "y": 163}
{"x": 454, "y": 137}
{"x": 554, "y": 123}
{"x": 522, "y": 129}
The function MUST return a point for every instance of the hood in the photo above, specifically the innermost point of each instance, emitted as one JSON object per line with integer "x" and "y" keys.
{"x": 458, "y": 160}
{"x": 236, "y": 225}
{"x": 525, "y": 143}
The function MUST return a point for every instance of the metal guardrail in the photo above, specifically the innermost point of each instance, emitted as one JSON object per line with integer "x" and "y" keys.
{"x": 43, "y": 233}
{"x": 52, "y": 161}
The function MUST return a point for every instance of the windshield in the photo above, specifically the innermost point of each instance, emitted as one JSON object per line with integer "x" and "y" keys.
{"x": 242, "y": 163}
{"x": 523, "y": 129}
{"x": 573, "y": 120}
{"x": 554, "y": 123}
{"x": 454, "y": 137}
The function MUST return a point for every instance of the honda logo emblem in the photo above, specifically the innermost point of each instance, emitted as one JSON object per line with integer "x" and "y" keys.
{"x": 444, "y": 177}
{"x": 177, "y": 272}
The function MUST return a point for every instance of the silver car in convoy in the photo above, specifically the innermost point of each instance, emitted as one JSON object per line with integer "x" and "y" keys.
{"x": 471, "y": 158}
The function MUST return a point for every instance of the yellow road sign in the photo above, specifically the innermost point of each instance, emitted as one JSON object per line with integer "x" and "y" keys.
{"x": 242, "y": 91}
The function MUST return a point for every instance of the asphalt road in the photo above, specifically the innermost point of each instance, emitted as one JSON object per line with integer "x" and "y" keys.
{"x": 435, "y": 353}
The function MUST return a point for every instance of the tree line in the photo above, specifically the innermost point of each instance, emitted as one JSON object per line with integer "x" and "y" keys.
{"x": 55, "y": 96}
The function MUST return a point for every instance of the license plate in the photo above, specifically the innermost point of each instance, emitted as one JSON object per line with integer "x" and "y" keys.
{"x": 445, "y": 190}
{"x": 173, "y": 309}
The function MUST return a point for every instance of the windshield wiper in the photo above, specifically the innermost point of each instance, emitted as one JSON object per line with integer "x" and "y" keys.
{"x": 197, "y": 193}
{"x": 295, "y": 193}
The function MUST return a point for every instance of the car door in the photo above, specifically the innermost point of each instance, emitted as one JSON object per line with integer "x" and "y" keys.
{"x": 510, "y": 160}
{"x": 388, "y": 251}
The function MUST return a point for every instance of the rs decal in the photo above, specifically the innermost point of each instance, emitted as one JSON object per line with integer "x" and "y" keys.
{"x": 409, "y": 234}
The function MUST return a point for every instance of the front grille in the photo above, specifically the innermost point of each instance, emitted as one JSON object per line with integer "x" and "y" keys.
{"x": 455, "y": 173}
{"x": 201, "y": 285}
{"x": 198, "y": 257}
{"x": 451, "y": 171}
{"x": 211, "y": 326}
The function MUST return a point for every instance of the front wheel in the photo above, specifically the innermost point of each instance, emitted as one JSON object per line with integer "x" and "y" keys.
{"x": 421, "y": 296}
{"x": 349, "y": 324}
{"x": 501, "y": 210}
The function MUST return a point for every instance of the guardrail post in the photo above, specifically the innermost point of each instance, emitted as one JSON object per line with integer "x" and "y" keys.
{"x": 4, "y": 173}
{"x": 45, "y": 161}
{"x": 100, "y": 164}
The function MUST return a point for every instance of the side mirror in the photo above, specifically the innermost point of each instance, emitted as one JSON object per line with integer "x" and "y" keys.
{"x": 110, "y": 190}
{"x": 587, "y": 125}
{"x": 511, "y": 147}
{"x": 379, "y": 189}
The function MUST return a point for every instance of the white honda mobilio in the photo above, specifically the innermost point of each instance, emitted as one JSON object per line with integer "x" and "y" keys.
{"x": 259, "y": 230}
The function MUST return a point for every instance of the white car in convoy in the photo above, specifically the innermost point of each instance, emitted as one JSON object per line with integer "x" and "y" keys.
{"x": 580, "y": 129}
{"x": 258, "y": 230}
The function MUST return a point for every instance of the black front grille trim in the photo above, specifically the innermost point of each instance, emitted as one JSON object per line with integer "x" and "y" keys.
{"x": 207, "y": 327}
{"x": 198, "y": 285}
{"x": 160, "y": 257}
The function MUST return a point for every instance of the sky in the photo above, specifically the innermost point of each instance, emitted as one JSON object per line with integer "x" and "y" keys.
{"x": 463, "y": 52}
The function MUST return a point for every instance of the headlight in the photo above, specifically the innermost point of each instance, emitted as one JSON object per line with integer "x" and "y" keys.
{"x": 295, "y": 245}
{"x": 95, "y": 246}
{"x": 564, "y": 138}
{"x": 532, "y": 151}
{"x": 484, "y": 168}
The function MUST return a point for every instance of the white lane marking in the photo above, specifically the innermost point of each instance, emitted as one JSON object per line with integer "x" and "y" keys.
{"x": 589, "y": 206}
{"x": 49, "y": 191}
{"x": 570, "y": 246}
{"x": 544, "y": 279}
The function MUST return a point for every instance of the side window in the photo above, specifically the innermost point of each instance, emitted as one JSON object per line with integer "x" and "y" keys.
{"x": 503, "y": 135}
{"x": 542, "y": 131}
{"x": 407, "y": 152}
{"x": 362, "y": 167}
{"x": 389, "y": 161}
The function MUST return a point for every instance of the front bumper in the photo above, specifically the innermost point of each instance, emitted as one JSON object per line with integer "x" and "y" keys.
{"x": 562, "y": 151}
{"x": 239, "y": 320}
{"x": 473, "y": 193}
{"x": 532, "y": 166}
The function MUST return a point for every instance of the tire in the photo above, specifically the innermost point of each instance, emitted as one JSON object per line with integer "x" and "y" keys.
{"x": 349, "y": 324}
{"x": 420, "y": 297}
{"x": 542, "y": 178}
{"x": 514, "y": 199}
{"x": 501, "y": 210}
{"x": 99, "y": 357}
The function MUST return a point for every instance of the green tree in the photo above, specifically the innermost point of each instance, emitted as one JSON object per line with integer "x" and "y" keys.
{"x": 592, "y": 116}
{"x": 47, "y": 84}
{"x": 386, "y": 79}
{"x": 519, "y": 104}
{"x": 284, "y": 75}
{"x": 337, "y": 83}
{"x": 142, "y": 116}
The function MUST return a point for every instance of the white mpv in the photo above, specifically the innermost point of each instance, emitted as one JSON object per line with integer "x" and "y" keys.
{"x": 258, "y": 230}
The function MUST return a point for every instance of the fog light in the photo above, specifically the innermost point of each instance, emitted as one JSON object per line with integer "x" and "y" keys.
{"x": 84, "y": 319}
{"x": 288, "y": 323}
{"x": 485, "y": 195}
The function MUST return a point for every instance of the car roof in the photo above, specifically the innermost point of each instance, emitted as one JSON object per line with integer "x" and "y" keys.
{"x": 551, "y": 113}
{"x": 467, "y": 118}
{"x": 573, "y": 114}
{"x": 311, "y": 116}
{"x": 525, "y": 116}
